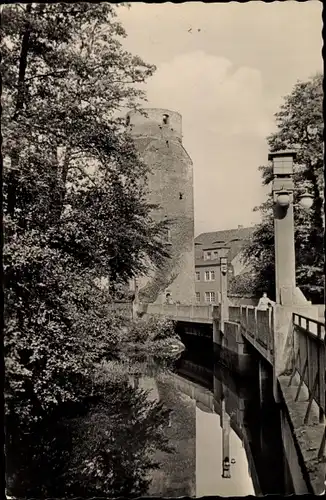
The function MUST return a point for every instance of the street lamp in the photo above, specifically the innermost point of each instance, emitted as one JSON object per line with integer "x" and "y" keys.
{"x": 224, "y": 265}
{"x": 283, "y": 189}
{"x": 306, "y": 200}
{"x": 224, "y": 308}
{"x": 226, "y": 474}
{"x": 284, "y": 199}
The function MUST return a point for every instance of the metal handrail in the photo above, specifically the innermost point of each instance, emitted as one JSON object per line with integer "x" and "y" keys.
{"x": 309, "y": 363}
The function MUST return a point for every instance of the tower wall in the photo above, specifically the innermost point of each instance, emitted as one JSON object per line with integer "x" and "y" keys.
{"x": 158, "y": 137}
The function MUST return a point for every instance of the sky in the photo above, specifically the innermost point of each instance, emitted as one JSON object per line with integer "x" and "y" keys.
{"x": 226, "y": 68}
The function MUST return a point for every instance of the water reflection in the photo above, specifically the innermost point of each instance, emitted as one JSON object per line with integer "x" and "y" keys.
{"x": 177, "y": 473}
{"x": 209, "y": 459}
{"x": 208, "y": 456}
{"x": 217, "y": 437}
{"x": 226, "y": 441}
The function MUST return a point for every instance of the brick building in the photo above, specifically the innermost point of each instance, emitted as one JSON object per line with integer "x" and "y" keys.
{"x": 207, "y": 283}
{"x": 158, "y": 138}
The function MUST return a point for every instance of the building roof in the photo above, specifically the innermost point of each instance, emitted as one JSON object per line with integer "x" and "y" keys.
{"x": 233, "y": 238}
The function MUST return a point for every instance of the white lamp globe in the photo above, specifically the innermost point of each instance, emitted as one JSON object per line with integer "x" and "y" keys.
{"x": 283, "y": 199}
{"x": 306, "y": 200}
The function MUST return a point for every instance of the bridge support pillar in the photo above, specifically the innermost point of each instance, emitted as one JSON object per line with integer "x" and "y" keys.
{"x": 217, "y": 339}
{"x": 262, "y": 380}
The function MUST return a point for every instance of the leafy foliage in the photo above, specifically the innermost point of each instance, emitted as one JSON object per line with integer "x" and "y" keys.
{"x": 299, "y": 127}
{"x": 74, "y": 197}
{"x": 152, "y": 330}
{"x": 241, "y": 285}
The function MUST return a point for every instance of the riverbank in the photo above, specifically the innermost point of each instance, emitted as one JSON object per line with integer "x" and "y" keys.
{"x": 79, "y": 448}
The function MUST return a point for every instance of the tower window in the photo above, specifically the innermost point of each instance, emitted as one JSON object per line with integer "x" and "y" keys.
{"x": 166, "y": 119}
{"x": 180, "y": 196}
{"x": 128, "y": 120}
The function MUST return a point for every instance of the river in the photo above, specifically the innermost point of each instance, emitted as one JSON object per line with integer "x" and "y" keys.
{"x": 226, "y": 441}
{"x": 222, "y": 439}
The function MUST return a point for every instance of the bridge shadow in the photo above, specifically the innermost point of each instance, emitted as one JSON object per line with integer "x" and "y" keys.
{"x": 255, "y": 419}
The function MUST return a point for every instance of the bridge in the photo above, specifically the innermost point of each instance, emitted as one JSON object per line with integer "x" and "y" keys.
{"x": 287, "y": 340}
{"x": 297, "y": 364}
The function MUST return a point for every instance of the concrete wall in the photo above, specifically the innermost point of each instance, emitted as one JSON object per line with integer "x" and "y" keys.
{"x": 231, "y": 349}
{"x": 291, "y": 454}
{"x": 170, "y": 185}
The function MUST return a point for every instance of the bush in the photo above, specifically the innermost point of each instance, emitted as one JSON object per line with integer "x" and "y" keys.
{"x": 151, "y": 330}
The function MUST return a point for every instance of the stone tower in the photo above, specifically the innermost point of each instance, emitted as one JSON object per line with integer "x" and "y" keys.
{"x": 158, "y": 138}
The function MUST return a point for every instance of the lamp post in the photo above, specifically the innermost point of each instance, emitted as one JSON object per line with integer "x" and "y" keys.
{"x": 224, "y": 306}
{"x": 283, "y": 189}
{"x": 225, "y": 424}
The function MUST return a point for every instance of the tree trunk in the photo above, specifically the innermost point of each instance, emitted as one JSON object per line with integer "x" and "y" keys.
{"x": 58, "y": 188}
{"x": 13, "y": 175}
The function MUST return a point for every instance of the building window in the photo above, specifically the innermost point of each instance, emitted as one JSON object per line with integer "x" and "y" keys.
{"x": 197, "y": 296}
{"x": 208, "y": 255}
{"x": 197, "y": 276}
{"x": 166, "y": 119}
{"x": 209, "y": 275}
{"x": 209, "y": 296}
{"x": 215, "y": 254}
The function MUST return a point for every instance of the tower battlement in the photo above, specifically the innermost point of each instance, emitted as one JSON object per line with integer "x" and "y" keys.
{"x": 155, "y": 123}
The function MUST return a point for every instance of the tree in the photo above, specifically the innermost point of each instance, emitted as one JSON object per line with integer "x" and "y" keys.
{"x": 74, "y": 209}
{"x": 300, "y": 127}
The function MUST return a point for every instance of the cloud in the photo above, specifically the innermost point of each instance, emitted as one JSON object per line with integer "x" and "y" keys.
{"x": 227, "y": 81}
{"x": 210, "y": 90}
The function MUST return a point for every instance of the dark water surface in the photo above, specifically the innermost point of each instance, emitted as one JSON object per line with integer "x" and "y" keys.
{"x": 223, "y": 438}
{"x": 217, "y": 416}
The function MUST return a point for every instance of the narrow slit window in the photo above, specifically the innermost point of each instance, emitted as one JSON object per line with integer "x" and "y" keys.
{"x": 166, "y": 119}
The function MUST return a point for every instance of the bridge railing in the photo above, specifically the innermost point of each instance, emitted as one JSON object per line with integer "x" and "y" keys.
{"x": 309, "y": 362}
{"x": 182, "y": 311}
{"x": 309, "y": 359}
{"x": 258, "y": 324}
